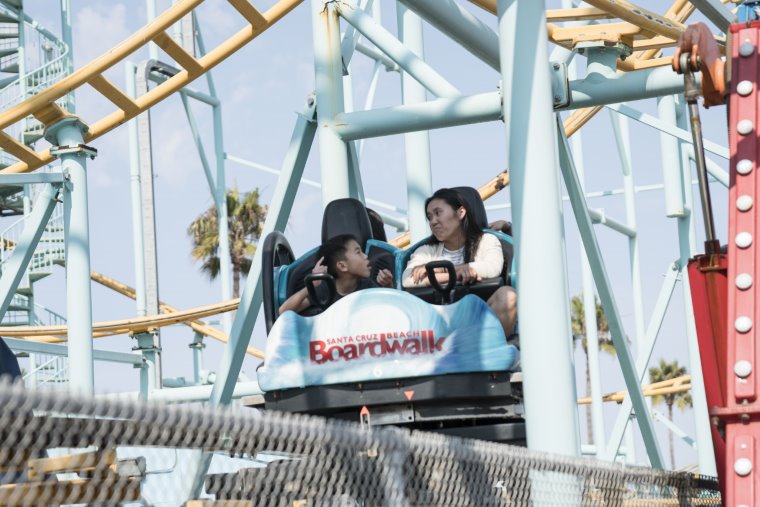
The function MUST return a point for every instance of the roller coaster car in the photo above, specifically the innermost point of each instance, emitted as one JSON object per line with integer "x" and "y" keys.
{"x": 434, "y": 358}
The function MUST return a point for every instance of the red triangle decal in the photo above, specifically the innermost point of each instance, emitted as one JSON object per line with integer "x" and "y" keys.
{"x": 409, "y": 395}
{"x": 364, "y": 411}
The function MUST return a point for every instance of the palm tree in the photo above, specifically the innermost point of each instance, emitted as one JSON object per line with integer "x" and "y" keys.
{"x": 245, "y": 217}
{"x": 578, "y": 322}
{"x": 667, "y": 371}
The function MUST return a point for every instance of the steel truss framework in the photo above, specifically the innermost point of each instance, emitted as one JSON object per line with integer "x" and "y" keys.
{"x": 535, "y": 138}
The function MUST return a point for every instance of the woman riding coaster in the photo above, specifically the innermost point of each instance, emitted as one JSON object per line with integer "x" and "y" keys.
{"x": 475, "y": 255}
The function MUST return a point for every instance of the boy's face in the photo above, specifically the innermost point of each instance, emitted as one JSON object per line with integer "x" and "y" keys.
{"x": 356, "y": 262}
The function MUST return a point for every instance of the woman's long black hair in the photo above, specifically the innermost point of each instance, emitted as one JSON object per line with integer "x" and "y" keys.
{"x": 472, "y": 233}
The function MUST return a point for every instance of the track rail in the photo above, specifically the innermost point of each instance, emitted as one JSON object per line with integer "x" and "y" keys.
{"x": 42, "y": 106}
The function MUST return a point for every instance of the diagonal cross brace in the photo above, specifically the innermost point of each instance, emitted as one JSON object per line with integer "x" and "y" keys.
{"x": 596, "y": 261}
{"x": 16, "y": 265}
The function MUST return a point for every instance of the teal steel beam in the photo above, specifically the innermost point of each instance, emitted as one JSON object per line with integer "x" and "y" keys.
{"x": 350, "y": 37}
{"x": 378, "y": 56}
{"x": 614, "y": 88}
{"x": 670, "y": 155}
{"x": 138, "y": 252}
{"x": 30, "y": 178}
{"x": 682, "y": 134}
{"x": 220, "y": 199}
{"x": 673, "y": 428}
{"x": 15, "y": 266}
{"x": 68, "y": 39}
{"x": 460, "y": 25}
{"x": 67, "y": 137}
{"x": 328, "y": 70}
{"x": 438, "y": 113}
{"x": 419, "y": 178}
{"x": 190, "y": 92}
{"x": 607, "y": 297}
{"x": 537, "y": 221}
{"x": 396, "y": 51}
{"x": 198, "y": 142}
{"x": 56, "y": 349}
{"x": 598, "y": 432}
{"x": 355, "y": 186}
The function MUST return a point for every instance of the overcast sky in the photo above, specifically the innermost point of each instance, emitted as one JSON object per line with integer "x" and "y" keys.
{"x": 263, "y": 86}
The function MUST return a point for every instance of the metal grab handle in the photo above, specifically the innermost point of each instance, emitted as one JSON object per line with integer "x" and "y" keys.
{"x": 332, "y": 291}
{"x": 691, "y": 93}
{"x": 444, "y": 291}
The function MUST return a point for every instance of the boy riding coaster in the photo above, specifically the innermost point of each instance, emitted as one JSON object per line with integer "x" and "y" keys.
{"x": 343, "y": 259}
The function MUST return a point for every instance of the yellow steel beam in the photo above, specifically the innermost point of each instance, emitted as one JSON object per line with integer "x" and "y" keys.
{"x": 111, "y": 490}
{"x": 640, "y": 17}
{"x": 18, "y": 150}
{"x": 670, "y": 386}
{"x": 249, "y": 12}
{"x": 182, "y": 57}
{"x": 114, "y": 94}
{"x": 196, "y": 325}
{"x": 98, "y": 66}
{"x": 136, "y": 324}
{"x": 559, "y": 34}
{"x": 38, "y": 468}
{"x": 579, "y": 14}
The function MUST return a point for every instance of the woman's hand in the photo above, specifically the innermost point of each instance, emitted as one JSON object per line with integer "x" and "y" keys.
{"x": 385, "y": 278}
{"x": 419, "y": 274}
{"x": 466, "y": 274}
{"x": 319, "y": 268}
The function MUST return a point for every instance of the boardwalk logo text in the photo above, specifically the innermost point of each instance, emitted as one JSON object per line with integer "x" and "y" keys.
{"x": 349, "y": 348}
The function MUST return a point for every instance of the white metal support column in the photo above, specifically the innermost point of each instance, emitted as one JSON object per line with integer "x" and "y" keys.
{"x": 67, "y": 138}
{"x": 537, "y": 222}
{"x": 328, "y": 67}
{"x": 419, "y": 181}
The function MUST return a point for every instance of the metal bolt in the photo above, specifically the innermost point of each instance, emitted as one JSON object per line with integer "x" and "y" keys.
{"x": 555, "y": 66}
{"x": 742, "y": 467}
{"x": 744, "y": 167}
{"x": 557, "y": 98}
{"x": 744, "y": 203}
{"x": 743, "y": 368}
{"x": 744, "y": 281}
{"x": 744, "y": 88}
{"x": 745, "y": 127}
{"x": 743, "y": 324}
{"x": 743, "y": 239}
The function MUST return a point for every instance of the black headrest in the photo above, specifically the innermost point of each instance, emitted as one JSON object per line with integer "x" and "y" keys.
{"x": 472, "y": 197}
{"x": 346, "y": 216}
{"x": 378, "y": 226}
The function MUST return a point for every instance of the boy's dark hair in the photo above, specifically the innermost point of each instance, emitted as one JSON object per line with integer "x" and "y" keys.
{"x": 334, "y": 250}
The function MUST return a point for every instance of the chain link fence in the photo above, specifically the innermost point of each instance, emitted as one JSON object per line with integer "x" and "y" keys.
{"x": 57, "y": 449}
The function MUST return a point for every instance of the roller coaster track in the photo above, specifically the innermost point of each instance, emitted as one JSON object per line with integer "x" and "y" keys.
{"x": 43, "y": 107}
{"x": 170, "y": 316}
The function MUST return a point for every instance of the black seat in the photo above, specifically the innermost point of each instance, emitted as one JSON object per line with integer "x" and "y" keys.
{"x": 342, "y": 216}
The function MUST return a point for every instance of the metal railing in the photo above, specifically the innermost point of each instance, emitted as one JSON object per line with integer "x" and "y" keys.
{"x": 47, "y": 56}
